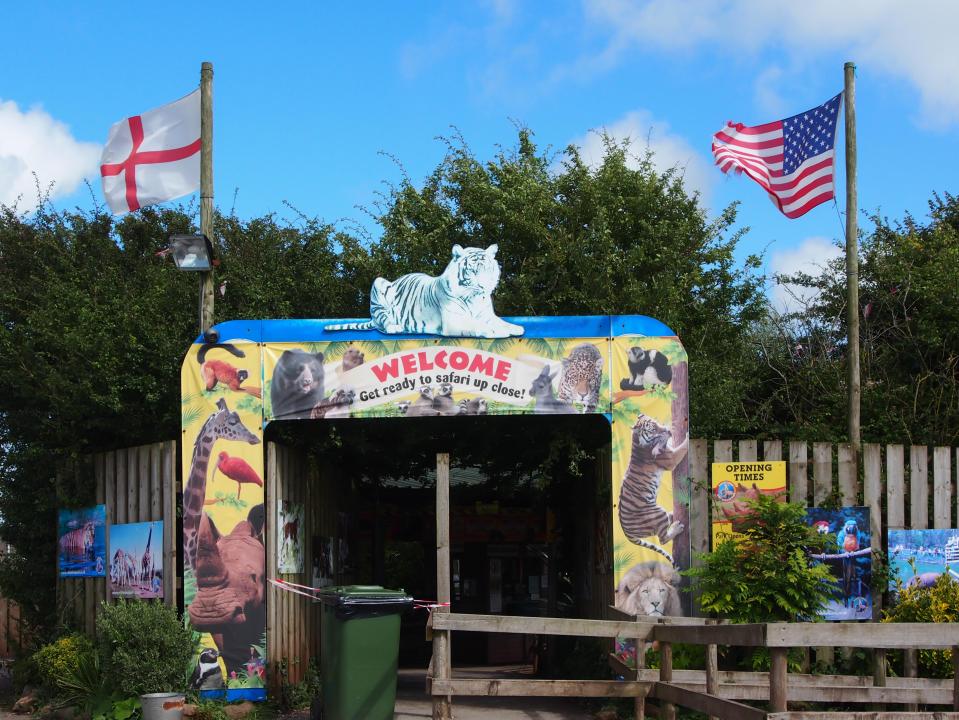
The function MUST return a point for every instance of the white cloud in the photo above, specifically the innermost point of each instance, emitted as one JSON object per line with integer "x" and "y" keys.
{"x": 810, "y": 257}
{"x": 669, "y": 150}
{"x": 914, "y": 41}
{"x": 34, "y": 142}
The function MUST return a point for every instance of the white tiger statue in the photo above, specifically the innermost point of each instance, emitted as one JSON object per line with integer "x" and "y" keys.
{"x": 649, "y": 588}
{"x": 458, "y": 303}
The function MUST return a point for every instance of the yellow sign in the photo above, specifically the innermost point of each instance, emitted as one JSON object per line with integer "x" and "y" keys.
{"x": 734, "y": 483}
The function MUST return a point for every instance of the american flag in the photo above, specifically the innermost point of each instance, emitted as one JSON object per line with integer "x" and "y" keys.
{"x": 791, "y": 159}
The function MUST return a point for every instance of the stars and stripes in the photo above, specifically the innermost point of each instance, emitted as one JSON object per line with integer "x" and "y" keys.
{"x": 791, "y": 159}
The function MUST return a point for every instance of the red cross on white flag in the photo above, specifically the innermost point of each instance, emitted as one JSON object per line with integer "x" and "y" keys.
{"x": 153, "y": 157}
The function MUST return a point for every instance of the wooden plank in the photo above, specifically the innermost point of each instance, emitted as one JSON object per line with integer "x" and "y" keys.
{"x": 539, "y": 688}
{"x": 798, "y": 473}
{"x": 545, "y": 626}
{"x": 941, "y": 488}
{"x": 100, "y": 585}
{"x": 752, "y": 635}
{"x": 722, "y": 451}
{"x": 110, "y": 494}
{"x": 748, "y": 451}
{"x": 725, "y": 709}
{"x": 698, "y": 505}
{"x": 143, "y": 483}
{"x": 895, "y": 488}
{"x": 872, "y": 487}
{"x": 822, "y": 471}
{"x": 156, "y": 483}
{"x": 168, "y": 482}
{"x": 846, "y": 470}
{"x": 133, "y": 486}
{"x": 712, "y": 670}
{"x": 864, "y": 635}
{"x": 120, "y": 514}
{"x": 772, "y": 450}
{"x": 918, "y": 487}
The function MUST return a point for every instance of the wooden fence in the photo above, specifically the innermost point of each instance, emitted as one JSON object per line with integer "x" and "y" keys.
{"x": 709, "y": 691}
{"x": 893, "y": 489}
{"x": 12, "y": 633}
{"x": 136, "y": 484}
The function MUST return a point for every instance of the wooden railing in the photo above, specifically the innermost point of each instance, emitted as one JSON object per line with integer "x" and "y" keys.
{"x": 720, "y": 694}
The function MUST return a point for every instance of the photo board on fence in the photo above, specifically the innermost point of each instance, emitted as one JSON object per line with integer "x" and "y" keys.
{"x": 81, "y": 542}
{"x": 289, "y": 521}
{"x": 136, "y": 562}
{"x": 735, "y": 483}
{"x": 849, "y": 560}
{"x": 919, "y": 557}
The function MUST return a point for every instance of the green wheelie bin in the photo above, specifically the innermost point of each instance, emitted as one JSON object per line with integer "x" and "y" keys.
{"x": 359, "y": 646}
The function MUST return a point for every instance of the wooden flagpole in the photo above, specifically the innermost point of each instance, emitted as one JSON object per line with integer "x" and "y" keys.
{"x": 206, "y": 190}
{"x": 852, "y": 265}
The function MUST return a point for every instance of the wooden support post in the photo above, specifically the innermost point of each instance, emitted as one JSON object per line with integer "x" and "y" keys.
{"x": 879, "y": 672}
{"x": 666, "y": 675}
{"x": 206, "y": 189}
{"x": 778, "y": 679}
{"x": 712, "y": 670}
{"x": 639, "y": 703}
{"x": 442, "y": 667}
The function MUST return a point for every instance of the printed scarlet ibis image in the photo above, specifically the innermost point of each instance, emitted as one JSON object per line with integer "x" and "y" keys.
{"x": 237, "y": 469}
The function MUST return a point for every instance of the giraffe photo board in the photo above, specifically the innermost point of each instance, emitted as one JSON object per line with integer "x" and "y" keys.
{"x": 136, "y": 560}
{"x": 630, "y": 369}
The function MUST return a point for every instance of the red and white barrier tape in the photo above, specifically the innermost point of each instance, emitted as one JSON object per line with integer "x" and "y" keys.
{"x": 310, "y": 592}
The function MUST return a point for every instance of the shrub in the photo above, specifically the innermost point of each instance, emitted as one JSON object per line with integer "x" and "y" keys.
{"x": 936, "y": 603}
{"x": 62, "y": 658}
{"x": 144, "y": 646}
{"x": 766, "y": 574}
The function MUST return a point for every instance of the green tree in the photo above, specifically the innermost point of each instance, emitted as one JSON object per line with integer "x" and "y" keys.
{"x": 909, "y": 324}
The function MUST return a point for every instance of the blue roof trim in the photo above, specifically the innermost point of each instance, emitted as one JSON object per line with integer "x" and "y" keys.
{"x": 572, "y": 326}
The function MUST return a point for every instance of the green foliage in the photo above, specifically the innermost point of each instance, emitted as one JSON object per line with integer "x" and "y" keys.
{"x": 144, "y": 646}
{"x": 909, "y": 339}
{"x": 937, "y": 603}
{"x": 766, "y": 575}
{"x": 210, "y": 710}
{"x": 62, "y": 658}
{"x": 297, "y": 696}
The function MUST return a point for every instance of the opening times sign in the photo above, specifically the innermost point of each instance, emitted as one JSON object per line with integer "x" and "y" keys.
{"x": 734, "y": 484}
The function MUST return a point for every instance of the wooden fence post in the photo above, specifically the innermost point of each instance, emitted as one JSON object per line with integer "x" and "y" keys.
{"x": 778, "y": 679}
{"x": 666, "y": 675}
{"x": 442, "y": 670}
{"x": 712, "y": 669}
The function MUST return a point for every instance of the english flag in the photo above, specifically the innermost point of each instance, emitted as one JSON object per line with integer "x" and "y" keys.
{"x": 791, "y": 159}
{"x": 153, "y": 157}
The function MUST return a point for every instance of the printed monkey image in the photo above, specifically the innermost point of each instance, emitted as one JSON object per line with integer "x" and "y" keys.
{"x": 646, "y": 368}
{"x": 220, "y": 371}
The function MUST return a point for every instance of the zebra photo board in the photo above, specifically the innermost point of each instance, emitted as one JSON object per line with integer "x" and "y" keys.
{"x": 136, "y": 564}
{"x": 81, "y": 543}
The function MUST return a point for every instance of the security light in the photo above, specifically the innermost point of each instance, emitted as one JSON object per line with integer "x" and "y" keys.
{"x": 192, "y": 252}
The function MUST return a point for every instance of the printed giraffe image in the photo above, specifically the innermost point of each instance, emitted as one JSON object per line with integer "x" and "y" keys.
{"x": 223, "y": 424}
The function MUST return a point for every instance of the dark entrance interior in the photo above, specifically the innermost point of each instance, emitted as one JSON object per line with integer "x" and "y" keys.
{"x": 529, "y": 518}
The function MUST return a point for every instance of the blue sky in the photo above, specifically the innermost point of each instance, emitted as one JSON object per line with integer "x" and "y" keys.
{"x": 308, "y": 96}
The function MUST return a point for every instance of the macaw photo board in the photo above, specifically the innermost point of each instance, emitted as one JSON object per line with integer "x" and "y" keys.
{"x": 849, "y": 560}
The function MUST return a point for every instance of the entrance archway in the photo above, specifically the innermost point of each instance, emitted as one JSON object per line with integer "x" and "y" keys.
{"x": 630, "y": 369}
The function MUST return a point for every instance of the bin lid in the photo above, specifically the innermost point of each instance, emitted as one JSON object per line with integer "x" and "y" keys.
{"x": 341, "y": 595}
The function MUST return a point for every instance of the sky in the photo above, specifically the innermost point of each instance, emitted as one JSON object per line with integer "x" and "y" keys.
{"x": 319, "y": 106}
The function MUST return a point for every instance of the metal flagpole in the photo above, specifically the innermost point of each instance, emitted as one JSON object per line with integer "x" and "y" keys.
{"x": 206, "y": 190}
{"x": 852, "y": 265}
